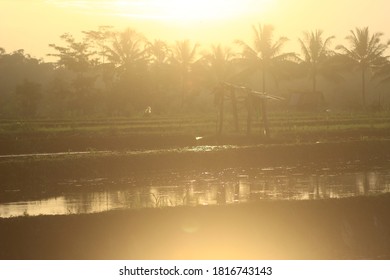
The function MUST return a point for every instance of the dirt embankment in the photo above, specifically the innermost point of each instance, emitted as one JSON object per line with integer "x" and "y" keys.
{"x": 33, "y": 169}
{"x": 40, "y": 142}
{"x": 353, "y": 228}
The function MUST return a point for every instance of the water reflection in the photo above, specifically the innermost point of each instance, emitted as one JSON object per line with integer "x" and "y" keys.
{"x": 170, "y": 189}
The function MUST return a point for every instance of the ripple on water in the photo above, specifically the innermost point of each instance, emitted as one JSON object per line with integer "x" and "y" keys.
{"x": 192, "y": 187}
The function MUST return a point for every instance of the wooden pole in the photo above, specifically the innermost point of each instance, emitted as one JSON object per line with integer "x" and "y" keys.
{"x": 251, "y": 97}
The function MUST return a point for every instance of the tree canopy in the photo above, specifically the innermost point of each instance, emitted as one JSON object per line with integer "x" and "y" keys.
{"x": 109, "y": 72}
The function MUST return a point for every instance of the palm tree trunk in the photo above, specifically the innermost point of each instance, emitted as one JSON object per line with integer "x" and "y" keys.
{"x": 249, "y": 104}
{"x": 221, "y": 105}
{"x": 234, "y": 107}
{"x": 314, "y": 84}
{"x": 316, "y": 98}
{"x": 380, "y": 101}
{"x": 183, "y": 89}
{"x": 264, "y": 110}
{"x": 364, "y": 87}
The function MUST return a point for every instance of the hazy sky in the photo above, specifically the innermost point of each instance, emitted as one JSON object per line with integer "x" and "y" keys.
{"x": 33, "y": 24}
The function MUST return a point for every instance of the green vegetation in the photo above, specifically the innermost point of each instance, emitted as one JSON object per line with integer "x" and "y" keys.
{"x": 288, "y": 123}
{"x": 154, "y": 132}
{"x": 118, "y": 74}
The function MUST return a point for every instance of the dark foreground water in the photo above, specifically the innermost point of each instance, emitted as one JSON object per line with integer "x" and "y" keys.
{"x": 172, "y": 188}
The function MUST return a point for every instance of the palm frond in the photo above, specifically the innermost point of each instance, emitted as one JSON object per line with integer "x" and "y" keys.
{"x": 364, "y": 49}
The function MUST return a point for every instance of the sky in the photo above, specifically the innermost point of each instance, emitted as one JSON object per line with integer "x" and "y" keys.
{"x": 33, "y": 24}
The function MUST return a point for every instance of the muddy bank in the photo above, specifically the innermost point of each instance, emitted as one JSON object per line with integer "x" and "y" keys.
{"x": 31, "y": 170}
{"x": 20, "y": 143}
{"x": 44, "y": 143}
{"x": 353, "y": 228}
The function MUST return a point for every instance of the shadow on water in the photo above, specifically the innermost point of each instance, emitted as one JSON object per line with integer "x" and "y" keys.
{"x": 193, "y": 188}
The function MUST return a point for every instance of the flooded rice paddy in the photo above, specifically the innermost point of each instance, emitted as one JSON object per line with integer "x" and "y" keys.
{"x": 172, "y": 188}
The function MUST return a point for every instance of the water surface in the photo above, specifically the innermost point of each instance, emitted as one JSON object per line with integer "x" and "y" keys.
{"x": 171, "y": 188}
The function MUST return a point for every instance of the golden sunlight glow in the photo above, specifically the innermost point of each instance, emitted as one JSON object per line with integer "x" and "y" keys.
{"x": 206, "y": 9}
{"x": 169, "y": 10}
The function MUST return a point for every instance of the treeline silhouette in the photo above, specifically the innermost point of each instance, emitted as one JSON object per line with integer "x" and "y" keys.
{"x": 110, "y": 73}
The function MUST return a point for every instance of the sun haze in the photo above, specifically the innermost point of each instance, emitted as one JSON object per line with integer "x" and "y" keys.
{"x": 168, "y": 10}
{"x": 33, "y": 24}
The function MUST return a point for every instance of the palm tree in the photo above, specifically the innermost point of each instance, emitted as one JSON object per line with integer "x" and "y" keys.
{"x": 159, "y": 55}
{"x": 316, "y": 55}
{"x": 158, "y": 52}
{"x": 264, "y": 57}
{"x": 127, "y": 55}
{"x": 382, "y": 74}
{"x": 127, "y": 49}
{"x": 366, "y": 51}
{"x": 219, "y": 63}
{"x": 184, "y": 57}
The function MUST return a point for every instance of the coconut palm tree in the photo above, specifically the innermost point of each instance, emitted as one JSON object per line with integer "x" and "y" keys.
{"x": 158, "y": 52}
{"x": 184, "y": 57}
{"x": 126, "y": 53}
{"x": 219, "y": 69}
{"x": 382, "y": 75}
{"x": 316, "y": 55}
{"x": 366, "y": 52}
{"x": 161, "y": 75}
{"x": 219, "y": 62}
{"x": 127, "y": 49}
{"x": 264, "y": 57}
